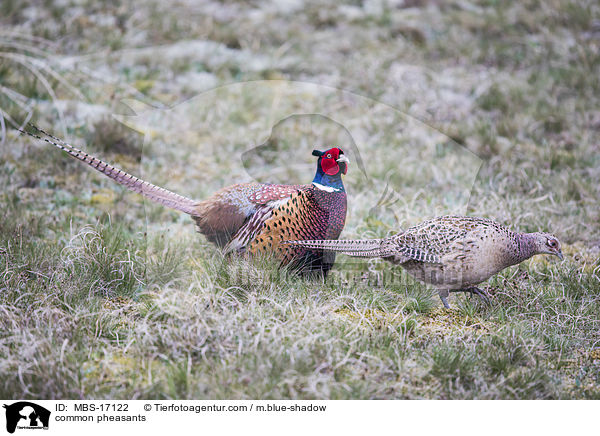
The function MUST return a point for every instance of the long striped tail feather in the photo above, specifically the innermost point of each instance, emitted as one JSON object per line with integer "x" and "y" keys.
{"x": 152, "y": 192}
{"x": 350, "y": 247}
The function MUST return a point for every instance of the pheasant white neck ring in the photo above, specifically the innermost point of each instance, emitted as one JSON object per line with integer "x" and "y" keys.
{"x": 326, "y": 188}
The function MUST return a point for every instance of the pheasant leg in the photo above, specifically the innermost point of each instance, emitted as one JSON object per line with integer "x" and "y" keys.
{"x": 443, "y": 293}
{"x": 475, "y": 291}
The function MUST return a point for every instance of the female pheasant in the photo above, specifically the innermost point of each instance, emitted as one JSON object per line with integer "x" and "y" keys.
{"x": 453, "y": 253}
{"x": 254, "y": 218}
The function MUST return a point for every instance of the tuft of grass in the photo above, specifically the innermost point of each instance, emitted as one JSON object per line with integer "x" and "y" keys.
{"x": 105, "y": 261}
{"x": 505, "y": 353}
{"x": 108, "y": 134}
{"x": 453, "y": 367}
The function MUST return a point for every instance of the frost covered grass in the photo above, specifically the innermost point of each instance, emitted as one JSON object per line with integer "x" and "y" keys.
{"x": 485, "y": 108}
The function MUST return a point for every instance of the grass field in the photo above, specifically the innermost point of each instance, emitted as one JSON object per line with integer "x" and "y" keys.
{"x": 487, "y": 108}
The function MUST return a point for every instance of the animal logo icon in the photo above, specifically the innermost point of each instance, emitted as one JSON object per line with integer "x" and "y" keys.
{"x": 26, "y": 415}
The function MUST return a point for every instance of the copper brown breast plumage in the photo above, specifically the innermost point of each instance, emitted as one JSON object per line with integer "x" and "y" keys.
{"x": 254, "y": 218}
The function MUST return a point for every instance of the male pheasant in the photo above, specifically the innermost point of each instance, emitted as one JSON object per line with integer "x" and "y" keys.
{"x": 254, "y": 218}
{"x": 453, "y": 253}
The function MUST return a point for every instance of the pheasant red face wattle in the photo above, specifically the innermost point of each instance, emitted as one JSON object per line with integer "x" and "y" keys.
{"x": 333, "y": 162}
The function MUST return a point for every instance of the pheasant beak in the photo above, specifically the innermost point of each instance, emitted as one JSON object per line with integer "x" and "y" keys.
{"x": 343, "y": 159}
{"x": 560, "y": 255}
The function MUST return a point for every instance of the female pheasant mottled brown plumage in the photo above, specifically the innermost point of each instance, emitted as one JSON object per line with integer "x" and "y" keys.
{"x": 453, "y": 253}
{"x": 254, "y": 218}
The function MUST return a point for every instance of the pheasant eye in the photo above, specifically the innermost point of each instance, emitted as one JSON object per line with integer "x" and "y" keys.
{"x": 552, "y": 243}
{"x": 328, "y": 155}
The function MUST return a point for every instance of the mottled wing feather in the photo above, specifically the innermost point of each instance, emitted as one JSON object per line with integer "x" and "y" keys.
{"x": 253, "y": 226}
{"x": 268, "y": 192}
{"x": 433, "y": 239}
{"x": 233, "y": 216}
